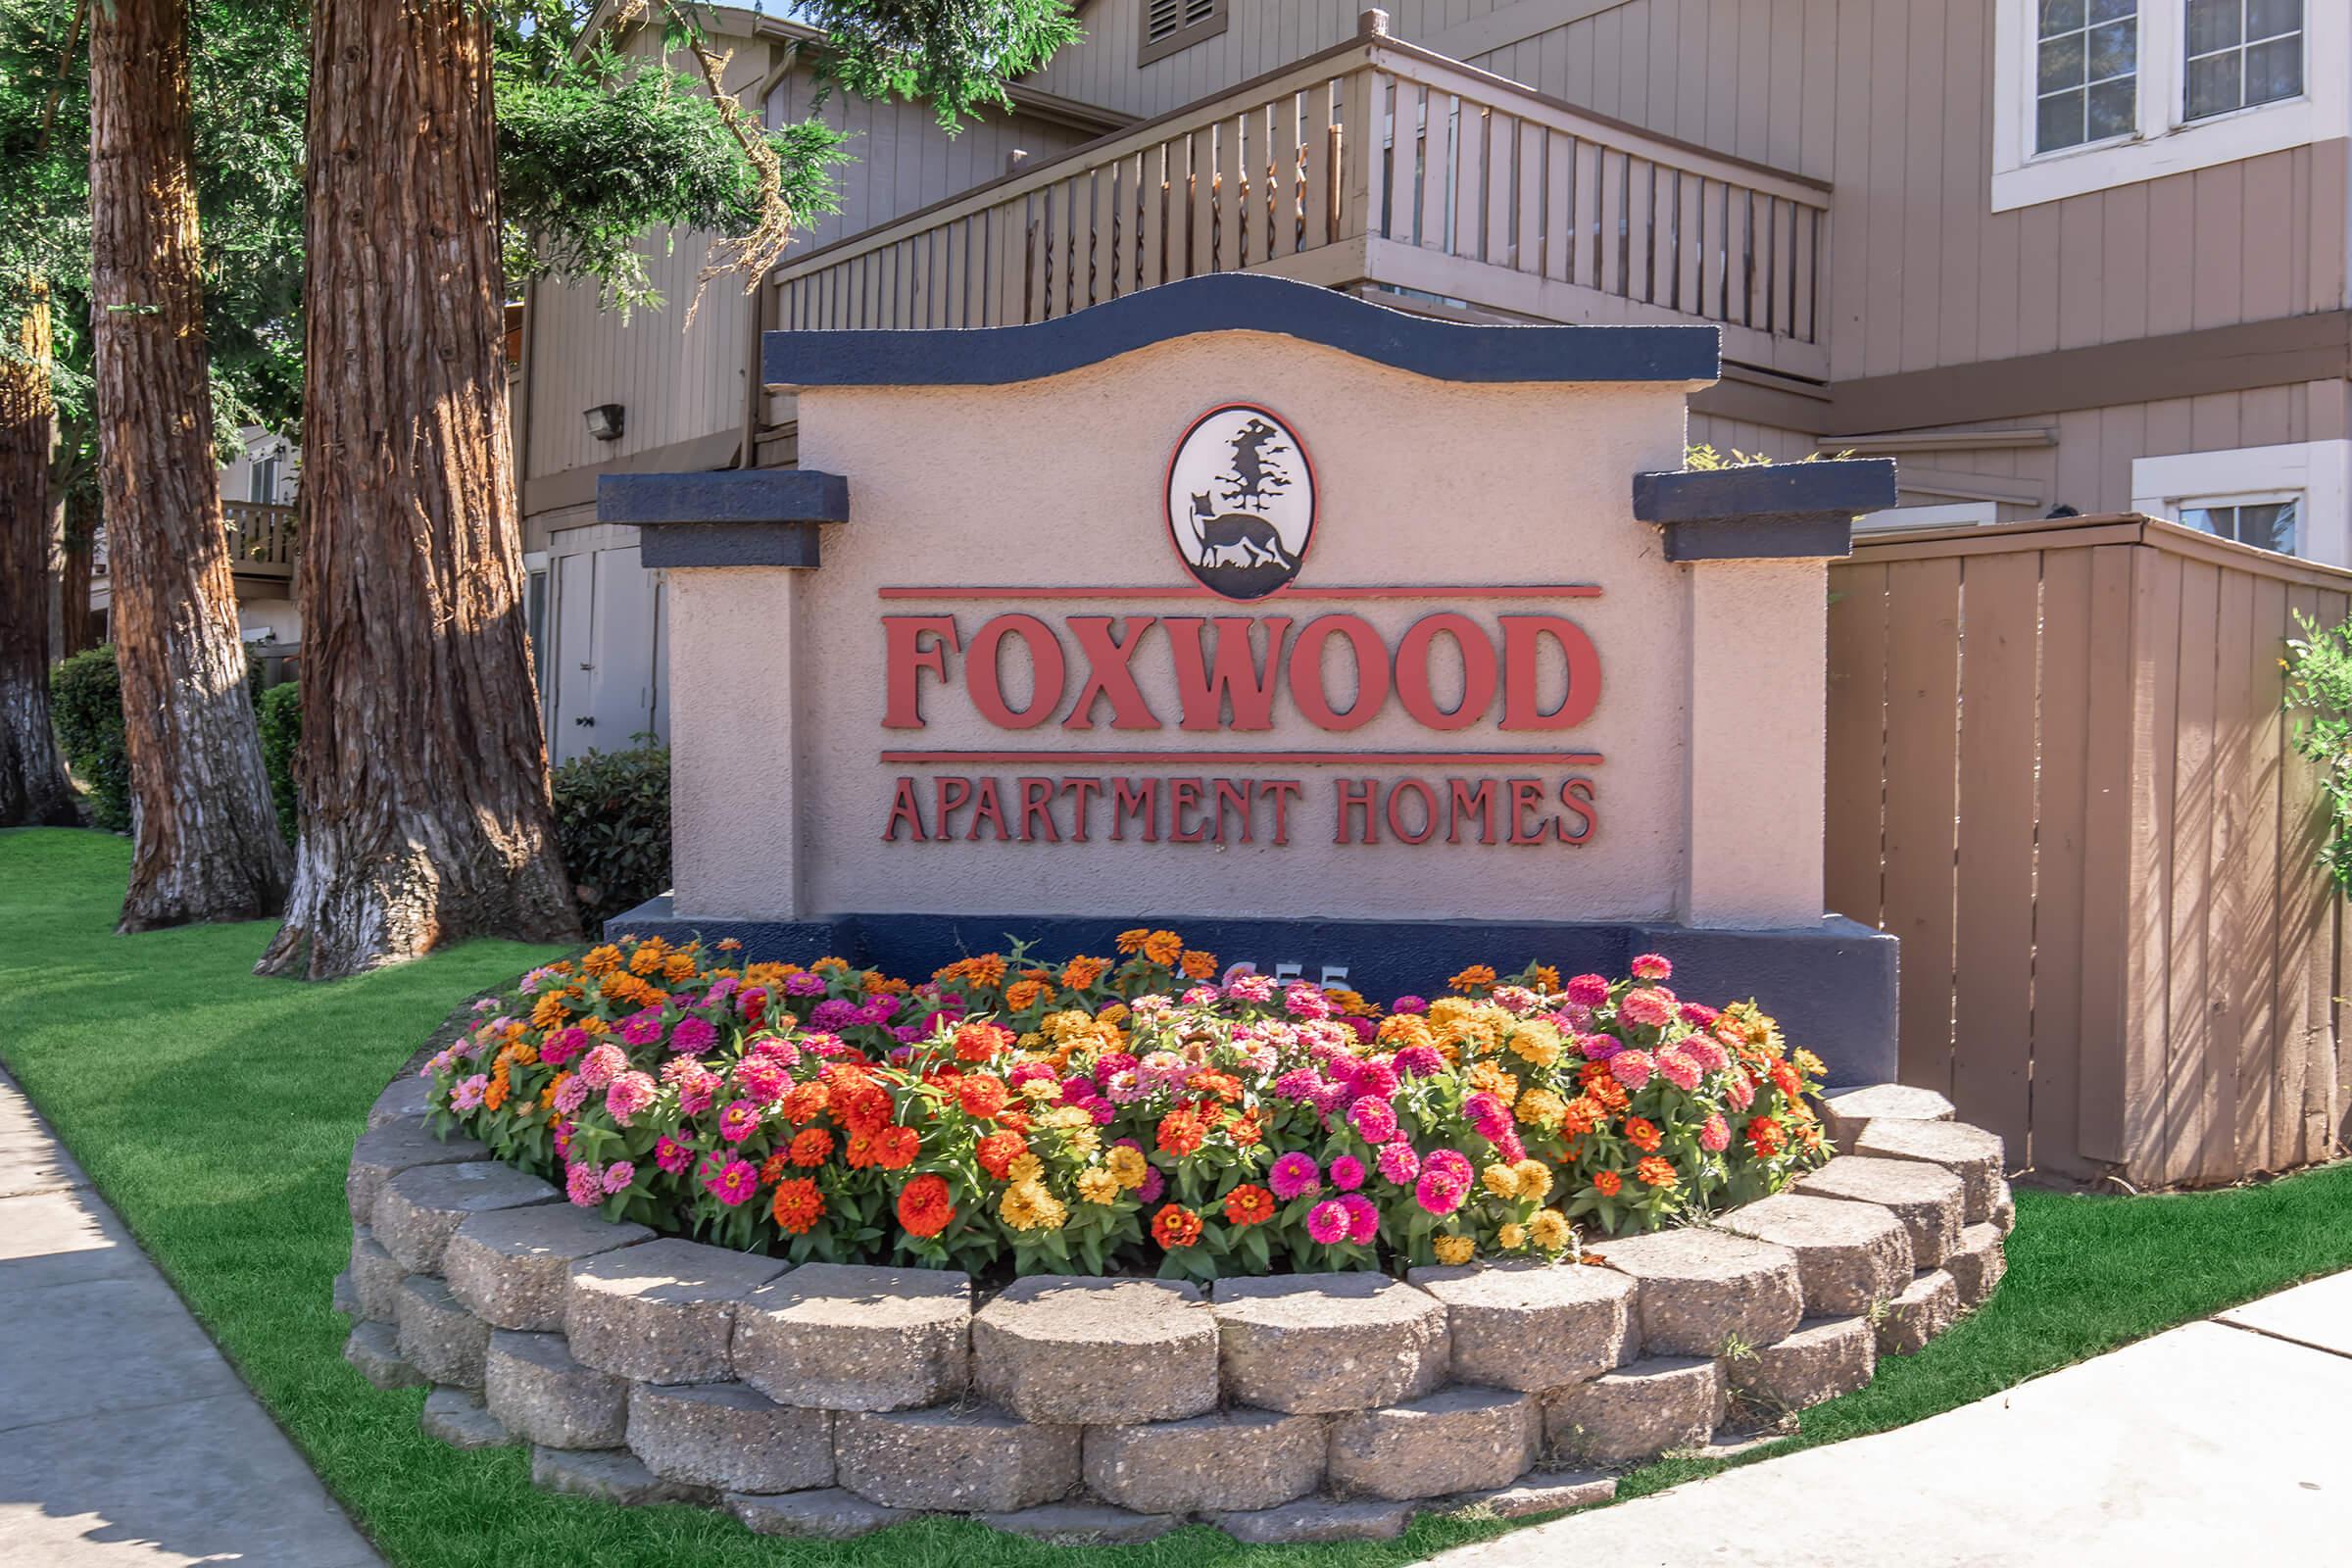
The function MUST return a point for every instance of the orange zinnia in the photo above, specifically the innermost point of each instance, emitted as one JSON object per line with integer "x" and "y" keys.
{"x": 1175, "y": 1226}
{"x": 924, "y": 1209}
{"x": 1607, "y": 1182}
{"x": 798, "y": 1205}
{"x": 1654, "y": 1172}
{"x": 1249, "y": 1204}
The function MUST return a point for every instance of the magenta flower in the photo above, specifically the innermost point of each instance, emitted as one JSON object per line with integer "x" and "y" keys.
{"x": 1587, "y": 990}
{"x": 585, "y": 1185}
{"x": 1651, "y": 967}
{"x": 737, "y": 1180}
{"x": 601, "y": 1065}
{"x": 564, "y": 1044}
{"x": 805, "y": 984}
{"x": 1439, "y": 1194}
{"x": 1409, "y": 1004}
{"x": 1740, "y": 1092}
{"x": 1295, "y": 1175}
{"x": 697, "y": 1091}
{"x": 1154, "y": 1185}
{"x": 1599, "y": 1047}
{"x": 1347, "y": 1173}
{"x": 1419, "y": 1061}
{"x": 642, "y": 1028}
{"x": 1399, "y": 1163}
{"x": 468, "y": 1095}
{"x": 693, "y": 1036}
{"x": 1302, "y": 1001}
{"x": 1375, "y": 1078}
{"x": 1645, "y": 1010}
{"x": 573, "y": 1093}
{"x": 618, "y": 1175}
{"x": 1327, "y": 1222}
{"x": 1715, "y": 1134}
{"x": 762, "y": 1079}
{"x": 738, "y": 1121}
{"x": 1363, "y": 1218}
{"x": 671, "y": 1155}
{"x": 1374, "y": 1120}
{"x": 1252, "y": 987}
{"x": 1680, "y": 1067}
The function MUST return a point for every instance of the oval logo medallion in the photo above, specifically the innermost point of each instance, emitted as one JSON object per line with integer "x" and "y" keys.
{"x": 1240, "y": 500}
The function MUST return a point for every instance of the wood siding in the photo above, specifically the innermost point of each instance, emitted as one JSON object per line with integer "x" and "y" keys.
{"x": 2059, "y": 772}
{"x": 680, "y": 382}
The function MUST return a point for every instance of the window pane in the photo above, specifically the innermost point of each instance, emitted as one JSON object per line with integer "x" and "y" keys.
{"x": 2213, "y": 85}
{"x": 2212, "y": 25}
{"x": 2275, "y": 70}
{"x": 2111, "y": 9}
{"x": 2060, "y": 16}
{"x": 2058, "y": 122}
{"x": 2062, "y": 63}
{"x": 2112, "y": 106}
{"x": 2268, "y": 18}
{"x": 2272, "y": 526}
{"x": 2207, "y": 519}
{"x": 2114, "y": 50}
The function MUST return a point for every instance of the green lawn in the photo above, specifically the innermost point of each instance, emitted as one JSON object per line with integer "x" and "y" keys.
{"x": 216, "y": 1110}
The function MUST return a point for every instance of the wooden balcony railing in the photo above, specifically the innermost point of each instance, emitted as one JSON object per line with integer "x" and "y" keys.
{"x": 261, "y": 538}
{"x": 1373, "y": 162}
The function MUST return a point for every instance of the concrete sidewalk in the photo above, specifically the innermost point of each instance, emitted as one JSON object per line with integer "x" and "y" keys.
{"x": 2222, "y": 1442}
{"x": 125, "y": 1437}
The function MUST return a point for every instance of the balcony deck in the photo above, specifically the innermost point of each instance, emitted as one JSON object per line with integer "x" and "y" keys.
{"x": 1375, "y": 166}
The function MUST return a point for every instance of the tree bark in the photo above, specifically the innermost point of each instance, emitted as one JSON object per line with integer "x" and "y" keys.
{"x": 77, "y": 569}
{"x": 423, "y": 770}
{"x": 33, "y": 782}
{"x": 208, "y": 846}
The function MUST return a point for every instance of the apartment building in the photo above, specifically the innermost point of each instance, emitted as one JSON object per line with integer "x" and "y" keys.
{"x": 2050, "y": 254}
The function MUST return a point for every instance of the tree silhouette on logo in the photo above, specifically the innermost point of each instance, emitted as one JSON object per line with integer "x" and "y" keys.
{"x": 1257, "y": 477}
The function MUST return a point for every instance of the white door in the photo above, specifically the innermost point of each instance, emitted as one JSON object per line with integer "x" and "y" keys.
{"x": 623, "y": 683}
{"x": 573, "y": 672}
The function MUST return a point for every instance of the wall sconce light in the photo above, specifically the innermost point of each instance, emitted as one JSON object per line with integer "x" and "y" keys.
{"x": 604, "y": 421}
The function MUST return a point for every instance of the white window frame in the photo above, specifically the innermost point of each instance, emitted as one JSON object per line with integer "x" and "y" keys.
{"x": 2165, "y": 143}
{"x": 1947, "y": 514}
{"x": 2318, "y": 475}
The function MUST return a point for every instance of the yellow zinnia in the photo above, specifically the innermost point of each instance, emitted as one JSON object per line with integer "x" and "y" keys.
{"x": 1501, "y": 1180}
{"x": 1513, "y": 1236}
{"x": 1535, "y": 1179}
{"x": 1127, "y": 1165}
{"x": 1098, "y": 1185}
{"x": 1550, "y": 1231}
{"x": 1455, "y": 1248}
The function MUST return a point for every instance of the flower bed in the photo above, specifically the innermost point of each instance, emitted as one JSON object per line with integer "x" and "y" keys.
{"x": 1125, "y": 1116}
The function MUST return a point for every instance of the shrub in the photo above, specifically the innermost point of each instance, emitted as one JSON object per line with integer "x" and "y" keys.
{"x": 278, "y": 713}
{"x": 612, "y": 826}
{"x": 85, "y": 703}
{"x": 1125, "y": 1116}
{"x": 2319, "y": 684}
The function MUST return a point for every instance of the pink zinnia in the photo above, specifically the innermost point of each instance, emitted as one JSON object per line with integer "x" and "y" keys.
{"x": 804, "y": 984}
{"x": 1374, "y": 1120}
{"x": 1715, "y": 1134}
{"x": 762, "y": 1080}
{"x": 1327, "y": 1222}
{"x": 1303, "y": 1001}
{"x": 1347, "y": 1173}
{"x": 601, "y": 1065}
{"x": 738, "y": 1121}
{"x": 1295, "y": 1175}
{"x": 564, "y": 1044}
{"x": 630, "y": 1094}
{"x": 1587, "y": 990}
{"x": 697, "y": 1091}
{"x": 1249, "y": 987}
{"x": 1439, "y": 1194}
{"x": 1599, "y": 1047}
{"x": 693, "y": 1036}
{"x": 1680, "y": 1067}
{"x": 1741, "y": 1091}
{"x": 1651, "y": 967}
{"x": 1399, "y": 1163}
{"x": 1697, "y": 1015}
{"x": 618, "y": 1175}
{"x": 1645, "y": 1010}
{"x": 468, "y": 1095}
{"x": 671, "y": 1155}
{"x": 1409, "y": 1004}
{"x": 642, "y": 1028}
{"x": 1631, "y": 1068}
{"x": 585, "y": 1185}
{"x": 1419, "y": 1061}
{"x": 573, "y": 1095}
{"x": 1375, "y": 1078}
{"x": 1363, "y": 1218}
{"x": 737, "y": 1180}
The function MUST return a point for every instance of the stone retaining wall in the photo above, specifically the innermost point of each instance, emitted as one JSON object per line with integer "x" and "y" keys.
{"x": 828, "y": 1400}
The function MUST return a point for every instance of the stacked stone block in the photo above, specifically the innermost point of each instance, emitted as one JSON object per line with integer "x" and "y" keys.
{"x": 826, "y": 1401}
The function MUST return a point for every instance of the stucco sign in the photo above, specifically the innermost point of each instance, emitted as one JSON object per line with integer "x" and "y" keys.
{"x": 1256, "y": 606}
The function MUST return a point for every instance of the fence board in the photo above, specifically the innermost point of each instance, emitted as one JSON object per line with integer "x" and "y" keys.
{"x": 2189, "y": 1078}
{"x": 1992, "y": 1007}
{"x": 1857, "y": 741}
{"x": 2060, "y": 814}
{"x": 1923, "y": 700}
{"x": 2109, "y": 841}
{"x": 2239, "y": 942}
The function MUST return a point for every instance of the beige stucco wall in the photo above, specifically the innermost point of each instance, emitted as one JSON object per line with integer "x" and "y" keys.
{"x": 782, "y": 794}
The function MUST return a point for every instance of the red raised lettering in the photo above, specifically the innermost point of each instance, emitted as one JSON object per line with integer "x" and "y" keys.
{"x": 1037, "y": 804}
{"x": 1479, "y": 673}
{"x": 1137, "y": 798}
{"x": 1522, "y": 655}
{"x": 1356, "y": 795}
{"x": 1461, "y": 801}
{"x": 1285, "y": 790}
{"x": 987, "y": 808}
{"x": 982, "y": 679}
{"x": 905, "y": 658}
{"x": 949, "y": 792}
{"x": 903, "y": 808}
{"x": 1082, "y": 791}
{"x": 1235, "y": 676}
{"x": 1428, "y": 811}
{"x": 1371, "y": 671}
{"x": 1577, "y": 795}
{"x": 1184, "y": 795}
{"x": 1110, "y": 673}
{"x": 1527, "y": 794}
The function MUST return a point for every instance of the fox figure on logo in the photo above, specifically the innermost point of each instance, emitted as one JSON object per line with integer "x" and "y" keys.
{"x": 1236, "y": 538}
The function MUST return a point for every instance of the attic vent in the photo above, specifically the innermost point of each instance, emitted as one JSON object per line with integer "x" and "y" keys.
{"x": 1173, "y": 25}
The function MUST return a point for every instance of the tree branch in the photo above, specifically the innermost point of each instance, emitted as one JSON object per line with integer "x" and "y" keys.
{"x": 65, "y": 69}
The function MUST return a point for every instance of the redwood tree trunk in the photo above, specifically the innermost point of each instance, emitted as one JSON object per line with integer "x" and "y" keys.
{"x": 208, "y": 842}
{"x": 33, "y": 783}
{"x": 74, "y": 576}
{"x": 422, "y": 771}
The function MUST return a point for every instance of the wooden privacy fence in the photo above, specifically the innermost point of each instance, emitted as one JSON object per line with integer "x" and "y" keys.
{"x": 2060, "y": 772}
{"x": 1372, "y": 161}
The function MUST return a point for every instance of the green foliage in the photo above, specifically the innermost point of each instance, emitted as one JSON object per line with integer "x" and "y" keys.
{"x": 85, "y": 703}
{"x": 957, "y": 54}
{"x": 2319, "y": 687}
{"x": 612, "y": 826}
{"x": 278, "y": 712}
